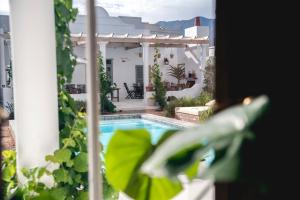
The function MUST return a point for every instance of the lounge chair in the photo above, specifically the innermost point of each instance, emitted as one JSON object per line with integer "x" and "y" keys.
{"x": 130, "y": 93}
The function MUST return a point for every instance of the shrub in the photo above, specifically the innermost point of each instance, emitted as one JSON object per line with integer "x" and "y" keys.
{"x": 187, "y": 102}
{"x": 203, "y": 116}
{"x": 204, "y": 98}
{"x": 210, "y": 76}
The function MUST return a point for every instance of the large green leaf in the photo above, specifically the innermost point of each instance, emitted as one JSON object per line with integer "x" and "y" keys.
{"x": 220, "y": 132}
{"x": 126, "y": 152}
{"x": 60, "y": 156}
{"x": 80, "y": 162}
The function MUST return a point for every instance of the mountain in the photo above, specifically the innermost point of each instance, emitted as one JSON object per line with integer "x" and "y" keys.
{"x": 180, "y": 25}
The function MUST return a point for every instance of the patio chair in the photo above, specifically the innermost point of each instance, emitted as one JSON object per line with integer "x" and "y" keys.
{"x": 130, "y": 93}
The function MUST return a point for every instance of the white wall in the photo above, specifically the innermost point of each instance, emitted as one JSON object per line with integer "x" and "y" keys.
{"x": 200, "y": 31}
{"x": 106, "y": 24}
{"x": 125, "y": 71}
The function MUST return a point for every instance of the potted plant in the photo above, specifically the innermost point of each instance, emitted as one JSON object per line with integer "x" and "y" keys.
{"x": 177, "y": 72}
{"x": 166, "y": 61}
{"x": 149, "y": 87}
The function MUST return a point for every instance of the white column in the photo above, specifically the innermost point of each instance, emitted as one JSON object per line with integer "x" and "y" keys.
{"x": 204, "y": 48}
{"x": 102, "y": 48}
{"x": 146, "y": 69}
{"x": 2, "y": 60}
{"x": 35, "y": 80}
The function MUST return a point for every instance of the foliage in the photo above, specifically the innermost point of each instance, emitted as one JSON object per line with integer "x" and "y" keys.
{"x": 177, "y": 72}
{"x": 139, "y": 174}
{"x": 159, "y": 89}
{"x": 203, "y": 116}
{"x": 204, "y": 98}
{"x": 71, "y": 176}
{"x": 105, "y": 88}
{"x": 125, "y": 154}
{"x": 224, "y": 132}
{"x": 80, "y": 105}
{"x": 9, "y": 74}
{"x": 187, "y": 102}
{"x": 66, "y": 60}
{"x": 8, "y": 170}
{"x": 210, "y": 76}
{"x": 10, "y": 109}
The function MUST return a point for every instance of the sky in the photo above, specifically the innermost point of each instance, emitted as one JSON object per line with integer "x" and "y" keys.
{"x": 150, "y": 10}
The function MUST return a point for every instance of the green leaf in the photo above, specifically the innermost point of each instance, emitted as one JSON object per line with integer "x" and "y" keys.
{"x": 69, "y": 142}
{"x": 80, "y": 162}
{"x": 192, "y": 171}
{"x": 83, "y": 195}
{"x": 62, "y": 175}
{"x": 59, "y": 193}
{"x": 126, "y": 152}
{"x": 165, "y": 136}
{"x": 8, "y": 173}
{"x": 25, "y": 172}
{"x": 60, "y": 156}
{"x": 218, "y": 132}
{"x": 41, "y": 172}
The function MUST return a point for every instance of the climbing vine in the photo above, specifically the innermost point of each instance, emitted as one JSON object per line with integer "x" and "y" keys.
{"x": 159, "y": 89}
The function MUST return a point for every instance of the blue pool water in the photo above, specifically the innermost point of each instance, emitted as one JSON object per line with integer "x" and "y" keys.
{"x": 108, "y": 127}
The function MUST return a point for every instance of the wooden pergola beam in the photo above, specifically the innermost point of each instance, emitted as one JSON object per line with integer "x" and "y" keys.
{"x": 165, "y": 40}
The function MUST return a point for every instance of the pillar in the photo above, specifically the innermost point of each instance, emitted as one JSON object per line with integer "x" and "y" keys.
{"x": 2, "y": 61}
{"x": 146, "y": 69}
{"x": 35, "y": 81}
{"x": 102, "y": 48}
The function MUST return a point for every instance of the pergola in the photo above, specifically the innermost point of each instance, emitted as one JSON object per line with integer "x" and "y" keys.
{"x": 135, "y": 41}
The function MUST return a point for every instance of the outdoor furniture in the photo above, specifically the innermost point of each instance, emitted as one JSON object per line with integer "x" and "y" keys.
{"x": 81, "y": 88}
{"x": 71, "y": 88}
{"x": 130, "y": 93}
{"x": 112, "y": 97}
{"x": 138, "y": 90}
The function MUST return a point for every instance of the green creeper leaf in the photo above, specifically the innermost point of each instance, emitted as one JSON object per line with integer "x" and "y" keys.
{"x": 83, "y": 195}
{"x": 8, "y": 172}
{"x": 41, "y": 172}
{"x": 69, "y": 142}
{"x": 60, "y": 156}
{"x": 80, "y": 162}
{"x": 67, "y": 110}
{"x": 8, "y": 154}
{"x": 59, "y": 193}
{"x": 62, "y": 175}
{"x": 25, "y": 172}
{"x": 126, "y": 152}
{"x": 77, "y": 178}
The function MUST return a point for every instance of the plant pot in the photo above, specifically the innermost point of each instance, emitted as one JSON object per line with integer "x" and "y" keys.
{"x": 151, "y": 102}
{"x": 149, "y": 88}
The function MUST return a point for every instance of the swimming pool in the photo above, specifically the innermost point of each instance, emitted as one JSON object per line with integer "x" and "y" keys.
{"x": 108, "y": 127}
{"x": 156, "y": 125}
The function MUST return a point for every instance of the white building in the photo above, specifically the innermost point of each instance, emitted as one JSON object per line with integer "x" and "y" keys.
{"x": 125, "y": 61}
